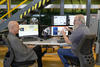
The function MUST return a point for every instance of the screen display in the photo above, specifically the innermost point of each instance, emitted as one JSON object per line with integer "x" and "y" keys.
{"x": 56, "y": 30}
{"x": 60, "y": 20}
{"x": 28, "y": 30}
{"x": 71, "y": 18}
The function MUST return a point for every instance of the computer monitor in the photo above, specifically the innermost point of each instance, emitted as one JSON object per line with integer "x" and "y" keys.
{"x": 56, "y": 30}
{"x": 71, "y": 19}
{"x": 60, "y": 20}
{"x": 28, "y": 30}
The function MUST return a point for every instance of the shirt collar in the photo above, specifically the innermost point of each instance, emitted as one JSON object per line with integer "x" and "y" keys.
{"x": 11, "y": 33}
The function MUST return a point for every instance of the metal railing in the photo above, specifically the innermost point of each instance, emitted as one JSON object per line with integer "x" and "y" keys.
{"x": 13, "y": 9}
{"x": 3, "y": 1}
{"x": 21, "y": 14}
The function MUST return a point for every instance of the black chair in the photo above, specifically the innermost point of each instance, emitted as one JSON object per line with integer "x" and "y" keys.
{"x": 84, "y": 53}
{"x": 9, "y": 57}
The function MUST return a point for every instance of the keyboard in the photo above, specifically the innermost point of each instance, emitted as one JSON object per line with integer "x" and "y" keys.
{"x": 29, "y": 39}
{"x": 61, "y": 41}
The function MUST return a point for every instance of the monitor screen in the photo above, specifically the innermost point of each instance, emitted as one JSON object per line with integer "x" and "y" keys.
{"x": 28, "y": 30}
{"x": 56, "y": 30}
{"x": 59, "y": 20}
{"x": 71, "y": 19}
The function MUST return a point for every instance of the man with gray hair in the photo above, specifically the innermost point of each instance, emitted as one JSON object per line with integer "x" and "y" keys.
{"x": 21, "y": 51}
{"x": 80, "y": 29}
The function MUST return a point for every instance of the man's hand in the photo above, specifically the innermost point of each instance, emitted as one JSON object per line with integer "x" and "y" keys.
{"x": 63, "y": 32}
{"x": 65, "y": 37}
{"x": 68, "y": 28}
{"x": 30, "y": 46}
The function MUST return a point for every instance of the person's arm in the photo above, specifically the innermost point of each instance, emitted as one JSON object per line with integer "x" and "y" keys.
{"x": 68, "y": 29}
{"x": 18, "y": 46}
{"x": 65, "y": 37}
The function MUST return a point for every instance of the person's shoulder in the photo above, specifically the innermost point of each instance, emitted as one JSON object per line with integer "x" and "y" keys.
{"x": 11, "y": 36}
{"x": 86, "y": 30}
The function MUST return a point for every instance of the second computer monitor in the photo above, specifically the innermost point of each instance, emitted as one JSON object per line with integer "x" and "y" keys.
{"x": 60, "y": 20}
{"x": 56, "y": 30}
{"x": 71, "y": 19}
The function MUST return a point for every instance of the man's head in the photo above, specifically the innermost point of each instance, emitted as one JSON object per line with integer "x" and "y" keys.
{"x": 13, "y": 27}
{"x": 79, "y": 19}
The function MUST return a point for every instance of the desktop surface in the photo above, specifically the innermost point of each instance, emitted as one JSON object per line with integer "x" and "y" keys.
{"x": 51, "y": 41}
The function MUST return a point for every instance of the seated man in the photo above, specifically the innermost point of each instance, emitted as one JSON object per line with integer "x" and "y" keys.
{"x": 22, "y": 52}
{"x": 80, "y": 29}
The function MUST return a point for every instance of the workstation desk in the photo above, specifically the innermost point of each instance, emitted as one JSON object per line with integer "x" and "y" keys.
{"x": 51, "y": 42}
{"x": 48, "y": 43}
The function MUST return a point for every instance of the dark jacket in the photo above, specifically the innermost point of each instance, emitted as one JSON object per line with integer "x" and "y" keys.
{"x": 21, "y": 52}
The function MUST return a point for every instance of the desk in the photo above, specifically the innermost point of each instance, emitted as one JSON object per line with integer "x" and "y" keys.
{"x": 52, "y": 42}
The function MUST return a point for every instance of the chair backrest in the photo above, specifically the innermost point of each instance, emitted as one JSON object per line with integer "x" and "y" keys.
{"x": 84, "y": 51}
{"x": 9, "y": 57}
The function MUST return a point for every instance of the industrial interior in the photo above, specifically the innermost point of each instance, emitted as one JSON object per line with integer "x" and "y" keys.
{"x": 39, "y": 24}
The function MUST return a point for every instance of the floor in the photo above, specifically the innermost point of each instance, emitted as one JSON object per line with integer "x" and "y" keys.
{"x": 49, "y": 60}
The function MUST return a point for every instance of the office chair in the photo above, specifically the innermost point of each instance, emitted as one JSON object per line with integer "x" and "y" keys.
{"x": 9, "y": 57}
{"x": 84, "y": 53}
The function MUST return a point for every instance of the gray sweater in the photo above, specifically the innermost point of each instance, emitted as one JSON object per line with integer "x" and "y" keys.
{"x": 22, "y": 53}
{"x": 77, "y": 35}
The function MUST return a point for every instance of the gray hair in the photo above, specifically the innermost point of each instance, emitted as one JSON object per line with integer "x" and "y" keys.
{"x": 81, "y": 18}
